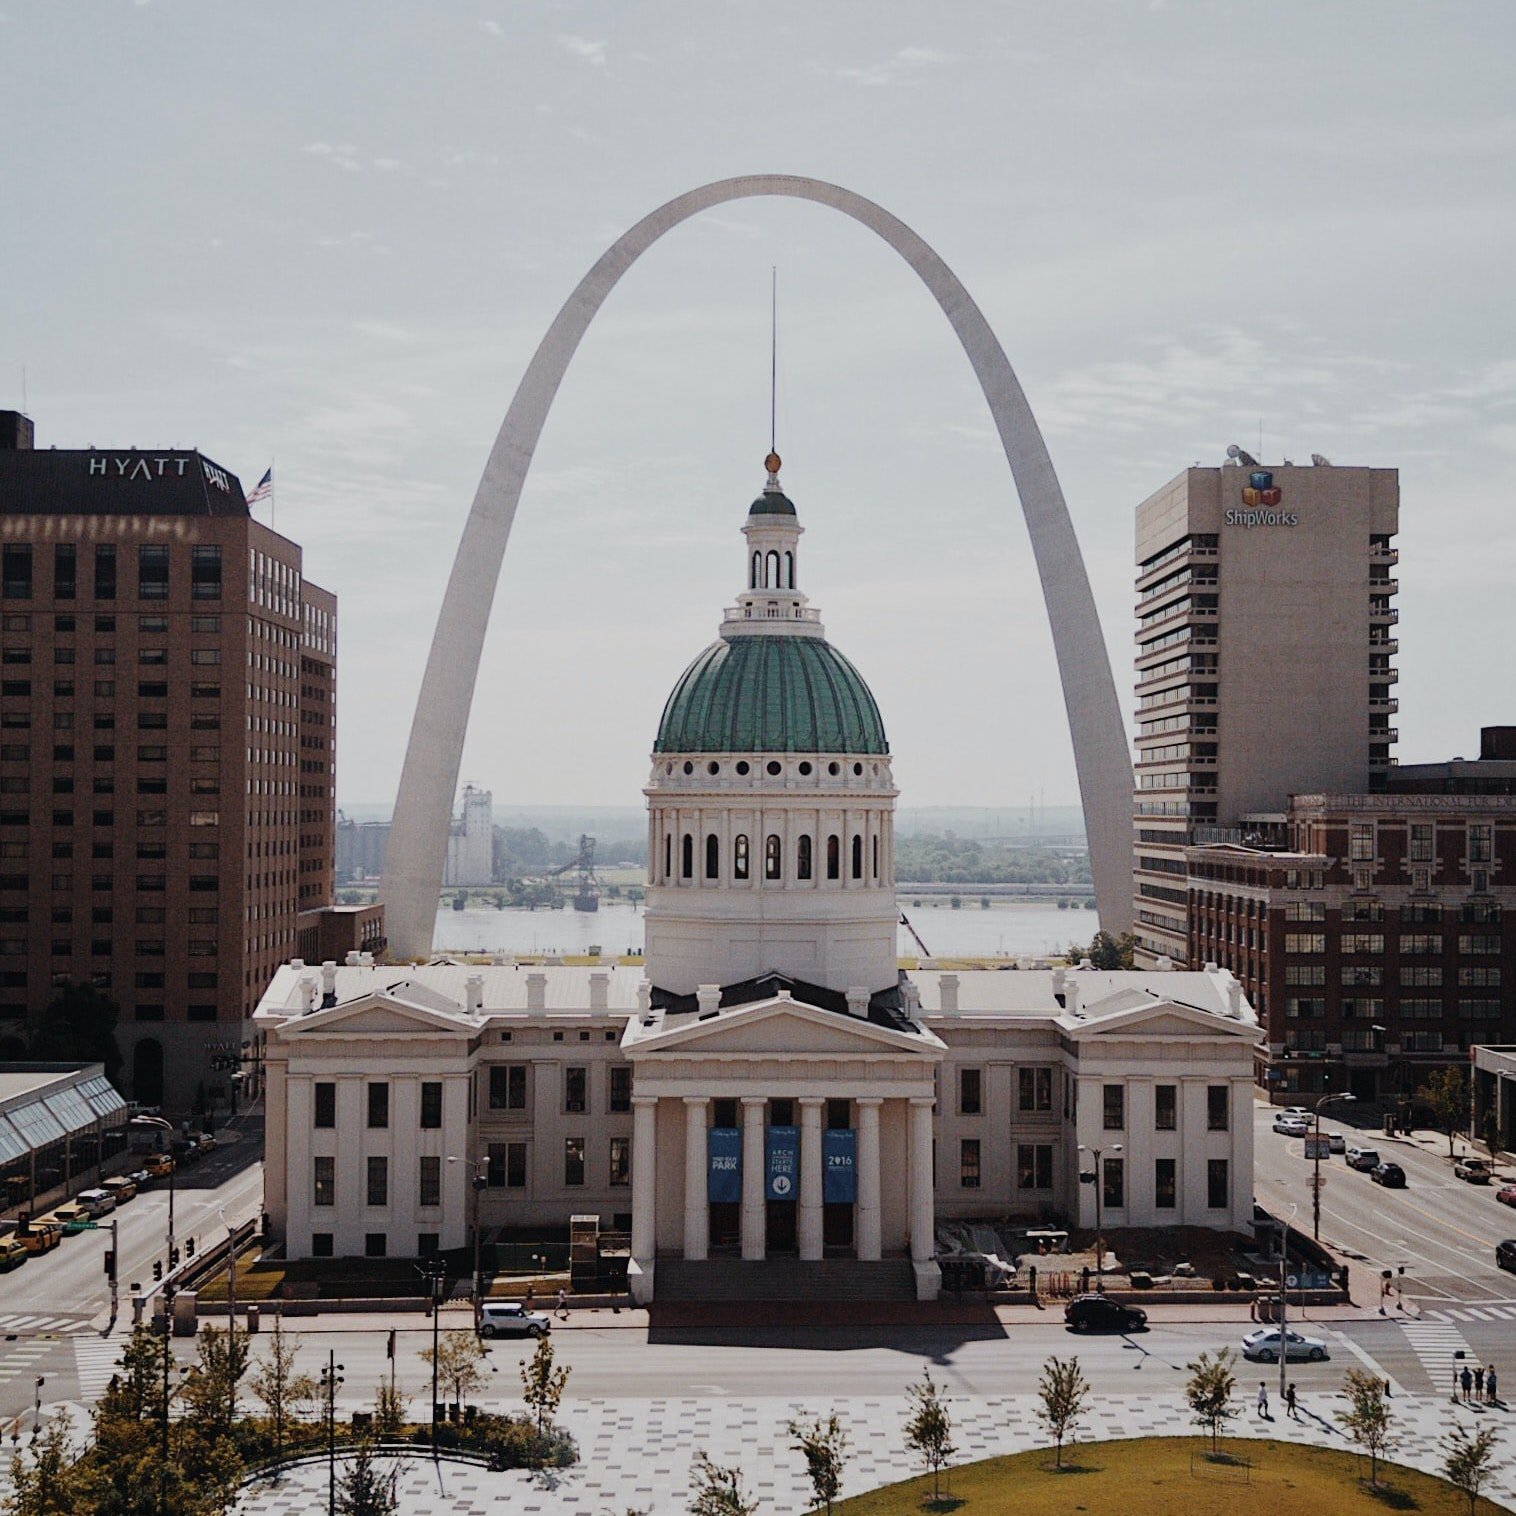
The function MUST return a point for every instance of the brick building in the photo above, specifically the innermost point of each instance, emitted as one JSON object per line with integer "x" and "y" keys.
{"x": 167, "y": 741}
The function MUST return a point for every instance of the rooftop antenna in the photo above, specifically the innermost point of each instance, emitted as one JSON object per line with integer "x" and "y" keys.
{"x": 773, "y": 358}
{"x": 24, "y": 410}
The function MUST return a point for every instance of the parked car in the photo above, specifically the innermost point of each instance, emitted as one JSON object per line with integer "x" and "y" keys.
{"x": 1264, "y": 1345}
{"x": 71, "y": 1217}
{"x": 1475, "y": 1170}
{"x": 97, "y": 1203}
{"x": 12, "y": 1254}
{"x": 122, "y": 1186}
{"x": 1100, "y": 1313}
{"x": 40, "y": 1236}
{"x": 158, "y": 1165}
{"x": 1505, "y": 1255}
{"x": 1363, "y": 1158}
{"x": 1297, "y": 1110}
{"x": 1291, "y": 1126}
{"x": 1390, "y": 1175}
{"x": 140, "y": 1178}
{"x": 1506, "y": 1194}
{"x": 509, "y": 1318}
{"x": 1336, "y": 1142}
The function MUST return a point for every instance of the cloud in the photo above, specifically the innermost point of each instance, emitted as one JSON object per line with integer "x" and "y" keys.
{"x": 899, "y": 68}
{"x": 494, "y": 28}
{"x": 342, "y": 154}
{"x": 590, "y": 49}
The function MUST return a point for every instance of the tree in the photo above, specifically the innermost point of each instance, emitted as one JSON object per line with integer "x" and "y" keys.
{"x": 542, "y": 1385}
{"x": 362, "y": 1490}
{"x": 390, "y": 1406}
{"x": 210, "y": 1392}
{"x": 928, "y": 1432}
{"x": 459, "y": 1357}
{"x": 283, "y": 1392}
{"x": 1106, "y": 951}
{"x": 715, "y": 1491}
{"x": 79, "y": 1022}
{"x": 1367, "y": 1417}
{"x": 45, "y": 1482}
{"x": 1447, "y": 1093}
{"x": 824, "y": 1445}
{"x": 1470, "y": 1460}
{"x": 1062, "y": 1394}
{"x": 1209, "y": 1391}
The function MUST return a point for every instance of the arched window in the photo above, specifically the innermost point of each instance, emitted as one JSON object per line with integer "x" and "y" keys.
{"x": 712, "y": 856}
{"x": 789, "y": 571}
{"x": 833, "y": 857}
{"x": 771, "y": 578}
{"x": 668, "y": 856}
{"x": 689, "y": 856}
{"x": 757, "y": 570}
{"x": 739, "y": 856}
{"x": 773, "y": 859}
{"x": 803, "y": 857}
{"x": 857, "y": 856}
{"x": 876, "y": 855}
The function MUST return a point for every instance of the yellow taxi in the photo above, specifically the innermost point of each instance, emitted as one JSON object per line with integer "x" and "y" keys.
{"x": 72, "y": 1217}
{"x": 41, "y": 1237}
{"x": 12, "y": 1254}
{"x": 158, "y": 1164}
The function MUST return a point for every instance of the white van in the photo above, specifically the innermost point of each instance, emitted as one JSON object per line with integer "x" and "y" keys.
{"x": 96, "y": 1203}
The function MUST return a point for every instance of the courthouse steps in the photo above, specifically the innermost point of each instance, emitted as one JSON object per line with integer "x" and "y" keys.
{"x": 784, "y": 1279}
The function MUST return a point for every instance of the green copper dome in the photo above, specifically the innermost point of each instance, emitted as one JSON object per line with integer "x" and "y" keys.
{"x": 771, "y": 694}
{"x": 772, "y": 503}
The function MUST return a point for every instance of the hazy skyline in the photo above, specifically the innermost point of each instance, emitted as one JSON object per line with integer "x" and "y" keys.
{"x": 330, "y": 237}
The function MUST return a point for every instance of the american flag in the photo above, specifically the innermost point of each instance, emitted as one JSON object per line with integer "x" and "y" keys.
{"x": 265, "y": 488}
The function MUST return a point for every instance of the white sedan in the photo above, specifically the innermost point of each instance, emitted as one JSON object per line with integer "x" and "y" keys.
{"x": 1291, "y": 1126}
{"x": 1264, "y": 1346}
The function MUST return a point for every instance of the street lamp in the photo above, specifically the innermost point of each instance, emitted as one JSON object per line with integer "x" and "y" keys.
{"x": 480, "y": 1184}
{"x": 168, "y": 1127}
{"x": 331, "y": 1377}
{"x": 435, "y": 1276}
{"x": 1099, "y": 1178}
{"x": 1284, "y": 1263}
{"x": 231, "y": 1308}
{"x": 1325, "y": 1100}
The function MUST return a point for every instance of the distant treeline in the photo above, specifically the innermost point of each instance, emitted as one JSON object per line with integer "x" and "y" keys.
{"x": 527, "y": 850}
{"x": 948, "y": 859}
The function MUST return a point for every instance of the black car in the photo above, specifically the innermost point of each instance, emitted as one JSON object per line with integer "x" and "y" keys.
{"x": 1390, "y": 1175}
{"x": 1505, "y": 1254}
{"x": 1099, "y": 1313}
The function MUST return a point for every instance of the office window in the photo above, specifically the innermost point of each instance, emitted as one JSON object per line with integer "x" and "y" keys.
{"x": 515, "y": 1165}
{"x": 428, "y": 1244}
{"x": 1218, "y": 1103}
{"x": 1421, "y": 842}
{"x": 375, "y": 1245}
{"x": 152, "y": 571}
{"x": 968, "y": 1163}
{"x": 1165, "y": 1184}
{"x": 1034, "y": 1166}
{"x": 1113, "y": 1186}
{"x": 105, "y": 579}
{"x": 429, "y": 1190}
{"x": 16, "y": 571}
{"x": 621, "y": 1162}
{"x": 1217, "y": 1185}
{"x": 969, "y": 1102}
{"x": 431, "y": 1104}
{"x": 378, "y": 1105}
{"x": 205, "y": 572}
{"x": 324, "y": 1189}
{"x": 573, "y": 1161}
{"x": 1035, "y": 1089}
{"x": 1305, "y": 942}
{"x": 321, "y": 1244}
{"x": 621, "y": 1088}
{"x": 378, "y": 1181}
{"x": 575, "y": 1083}
{"x": 1165, "y": 1107}
{"x": 1361, "y": 842}
{"x": 1114, "y": 1107}
{"x": 508, "y": 1087}
{"x": 65, "y": 571}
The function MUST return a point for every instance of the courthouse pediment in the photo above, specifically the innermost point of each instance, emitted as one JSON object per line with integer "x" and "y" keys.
{"x": 1162, "y": 1018}
{"x": 780, "y": 1027}
{"x": 376, "y": 1014}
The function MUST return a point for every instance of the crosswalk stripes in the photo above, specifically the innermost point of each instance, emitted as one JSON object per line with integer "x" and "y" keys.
{"x": 17, "y": 1322}
{"x": 95, "y": 1358}
{"x": 19, "y": 1358}
{"x": 1437, "y": 1345}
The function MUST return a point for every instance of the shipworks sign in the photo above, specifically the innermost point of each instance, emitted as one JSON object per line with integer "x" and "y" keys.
{"x": 1260, "y": 504}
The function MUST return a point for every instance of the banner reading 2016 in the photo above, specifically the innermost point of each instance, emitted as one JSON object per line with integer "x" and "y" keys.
{"x": 783, "y": 1144}
{"x": 839, "y": 1174}
{"x": 724, "y": 1183}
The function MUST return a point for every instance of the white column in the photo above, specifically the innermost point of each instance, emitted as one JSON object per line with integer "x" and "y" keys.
{"x": 697, "y": 1212}
{"x": 923, "y": 1213}
{"x": 809, "y": 1228}
{"x": 868, "y": 1238}
{"x": 644, "y": 1175}
{"x": 754, "y": 1212}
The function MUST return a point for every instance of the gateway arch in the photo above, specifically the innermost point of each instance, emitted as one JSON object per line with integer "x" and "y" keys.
{"x": 417, "y": 848}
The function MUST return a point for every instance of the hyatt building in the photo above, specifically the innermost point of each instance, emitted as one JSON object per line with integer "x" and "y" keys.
{"x": 767, "y": 1084}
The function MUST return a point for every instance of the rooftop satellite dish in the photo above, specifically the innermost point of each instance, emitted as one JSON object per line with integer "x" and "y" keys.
{"x": 1320, "y": 461}
{"x": 1239, "y": 456}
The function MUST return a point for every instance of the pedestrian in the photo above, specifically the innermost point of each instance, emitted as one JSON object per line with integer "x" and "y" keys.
{"x": 1387, "y": 1389}
{"x": 1263, "y": 1400}
{"x": 1289, "y": 1401}
{"x": 1466, "y": 1382}
{"x": 1489, "y": 1384}
{"x": 563, "y": 1309}
{"x": 1479, "y": 1383}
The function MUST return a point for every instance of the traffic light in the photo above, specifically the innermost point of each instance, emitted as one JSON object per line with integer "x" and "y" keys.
{"x": 189, "y": 1247}
{"x": 110, "y": 1263}
{"x": 157, "y": 1271}
{"x": 173, "y": 1258}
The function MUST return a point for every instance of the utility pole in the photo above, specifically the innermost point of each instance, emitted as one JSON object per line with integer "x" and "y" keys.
{"x": 331, "y": 1377}
{"x": 231, "y": 1328}
{"x": 112, "y": 1270}
{"x": 1284, "y": 1336}
{"x": 1316, "y": 1160}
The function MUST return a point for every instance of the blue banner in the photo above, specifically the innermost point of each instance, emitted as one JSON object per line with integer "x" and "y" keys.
{"x": 839, "y": 1173}
{"x": 783, "y": 1165}
{"x": 724, "y": 1148}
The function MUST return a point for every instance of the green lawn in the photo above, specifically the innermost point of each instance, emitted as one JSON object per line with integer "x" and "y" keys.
{"x": 1161, "y": 1476}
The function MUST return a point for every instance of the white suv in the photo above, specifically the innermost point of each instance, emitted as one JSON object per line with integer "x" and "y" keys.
{"x": 509, "y": 1318}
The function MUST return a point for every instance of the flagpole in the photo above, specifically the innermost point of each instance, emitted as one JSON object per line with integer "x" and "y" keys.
{"x": 272, "y": 486}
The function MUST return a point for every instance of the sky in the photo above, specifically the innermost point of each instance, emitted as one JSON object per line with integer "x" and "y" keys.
{"x": 329, "y": 237}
